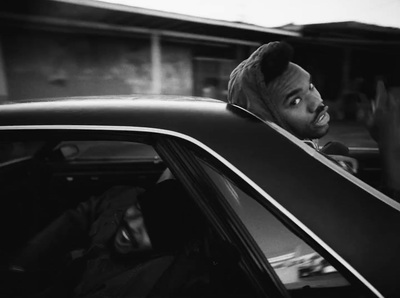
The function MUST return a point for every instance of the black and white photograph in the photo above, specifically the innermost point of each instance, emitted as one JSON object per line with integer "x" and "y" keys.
{"x": 200, "y": 148}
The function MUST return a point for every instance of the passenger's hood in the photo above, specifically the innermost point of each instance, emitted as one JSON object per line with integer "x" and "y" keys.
{"x": 247, "y": 88}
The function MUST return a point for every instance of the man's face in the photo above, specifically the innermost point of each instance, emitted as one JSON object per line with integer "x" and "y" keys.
{"x": 300, "y": 105}
{"x": 132, "y": 235}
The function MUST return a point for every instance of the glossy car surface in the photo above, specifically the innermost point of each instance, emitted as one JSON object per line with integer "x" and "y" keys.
{"x": 275, "y": 200}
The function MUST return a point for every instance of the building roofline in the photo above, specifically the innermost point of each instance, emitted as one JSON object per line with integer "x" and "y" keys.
{"x": 27, "y": 21}
{"x": 180, "y": 17}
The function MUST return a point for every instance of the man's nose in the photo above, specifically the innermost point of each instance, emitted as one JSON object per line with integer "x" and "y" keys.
{"x": 314, "y": 102}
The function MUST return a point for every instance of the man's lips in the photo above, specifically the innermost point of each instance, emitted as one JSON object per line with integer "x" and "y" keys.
{"x": 322, "y": 117}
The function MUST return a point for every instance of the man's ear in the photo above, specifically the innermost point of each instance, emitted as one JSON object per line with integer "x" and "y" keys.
{"x": 275, "y": 59}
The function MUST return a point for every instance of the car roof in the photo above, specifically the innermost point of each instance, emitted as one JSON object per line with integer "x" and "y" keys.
{"x": 146, "y": 110}
{"x": 339, "y": 212}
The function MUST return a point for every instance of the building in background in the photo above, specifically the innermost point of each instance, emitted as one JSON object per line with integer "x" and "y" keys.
{"x": 346, "y": 59}
{"x": 55, "y": 48}
{"x": 84, "y": 48}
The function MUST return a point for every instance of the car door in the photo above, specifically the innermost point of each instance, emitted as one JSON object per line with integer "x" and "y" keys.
{"x": 66, "y": 167}
{"x": 242, "y": 217}
{"x": 279, "y": 255}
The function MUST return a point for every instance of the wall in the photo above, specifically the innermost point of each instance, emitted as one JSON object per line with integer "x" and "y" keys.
{"x": 47, "y": 64}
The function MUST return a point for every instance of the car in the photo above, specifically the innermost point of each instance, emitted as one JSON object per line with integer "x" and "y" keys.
{"x": 271, "y": 199}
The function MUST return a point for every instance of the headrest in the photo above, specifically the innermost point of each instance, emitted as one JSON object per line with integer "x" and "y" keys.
{"x": 169, "y": 215}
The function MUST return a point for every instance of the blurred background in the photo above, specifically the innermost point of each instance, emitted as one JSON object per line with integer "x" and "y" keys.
{"x": 56, "y": 48}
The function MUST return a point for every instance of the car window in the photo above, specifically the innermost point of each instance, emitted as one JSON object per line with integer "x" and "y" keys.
{"x": 60, "y": 175}
{"x": 15, "y": 151}
{"x": 106, "y": 151}
{"x": 297, "y": 264}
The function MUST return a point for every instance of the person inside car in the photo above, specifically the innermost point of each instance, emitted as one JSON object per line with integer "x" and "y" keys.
{"x": 275, "y": 89}
{"x": 121, "y": 243}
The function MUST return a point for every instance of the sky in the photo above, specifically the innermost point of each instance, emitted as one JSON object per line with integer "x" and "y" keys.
{"x": 275, "y": 13}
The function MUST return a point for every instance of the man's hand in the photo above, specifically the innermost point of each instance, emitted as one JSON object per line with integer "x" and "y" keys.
{"x": 384, "y": 127}
{"x": 383, "y": 121}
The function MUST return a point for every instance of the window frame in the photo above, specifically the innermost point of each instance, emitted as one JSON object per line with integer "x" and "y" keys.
{"x": 221, "y": 215}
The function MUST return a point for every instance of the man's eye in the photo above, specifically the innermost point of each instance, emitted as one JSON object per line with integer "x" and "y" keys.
{"x": 295, "y": 101}
{"x": 312, "y": 86}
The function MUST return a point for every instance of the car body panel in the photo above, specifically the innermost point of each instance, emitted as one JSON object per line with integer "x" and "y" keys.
{"x": 351, "y": 221}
